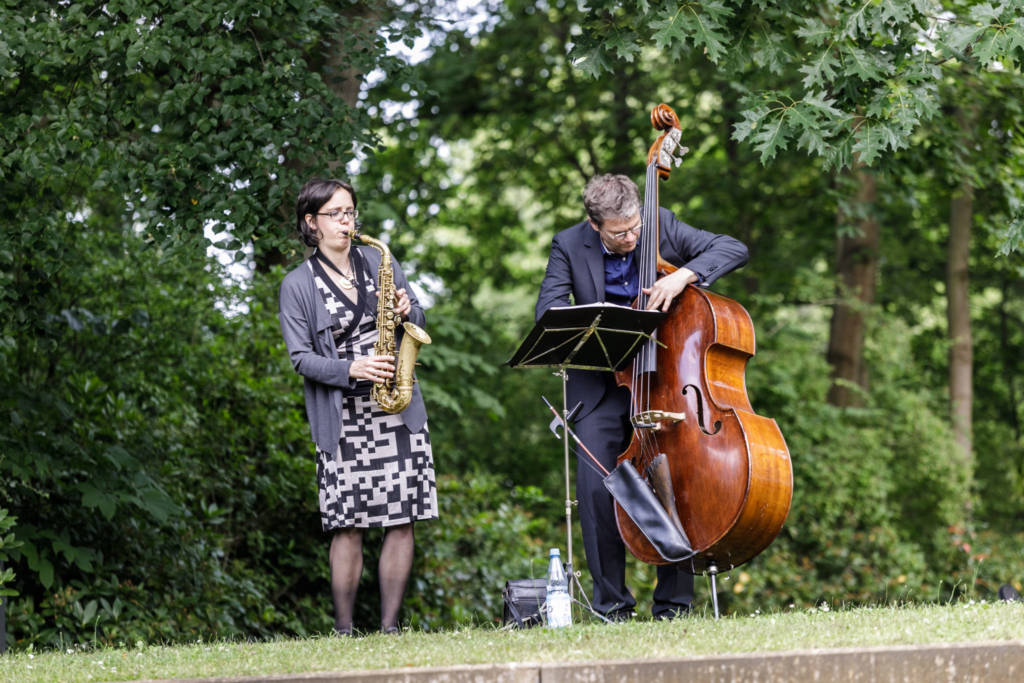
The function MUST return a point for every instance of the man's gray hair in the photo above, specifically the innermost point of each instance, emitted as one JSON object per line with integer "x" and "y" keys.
{"x": 610, "y": 196}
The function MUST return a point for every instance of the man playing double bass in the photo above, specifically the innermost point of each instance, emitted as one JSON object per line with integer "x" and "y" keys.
{"x": 591, "y": 262}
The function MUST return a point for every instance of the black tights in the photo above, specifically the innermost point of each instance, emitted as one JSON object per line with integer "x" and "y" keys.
{"x": 346, "y": 557}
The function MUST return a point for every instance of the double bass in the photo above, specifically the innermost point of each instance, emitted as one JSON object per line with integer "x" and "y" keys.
{"x": 729, "y": 479}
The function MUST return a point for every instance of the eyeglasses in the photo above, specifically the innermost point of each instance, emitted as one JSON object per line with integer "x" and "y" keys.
{"x": 634, "y": 231}
{"x": 338, "y": 215}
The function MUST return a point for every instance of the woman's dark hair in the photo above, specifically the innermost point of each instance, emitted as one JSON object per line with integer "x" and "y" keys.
{"x": 313, "y": 195}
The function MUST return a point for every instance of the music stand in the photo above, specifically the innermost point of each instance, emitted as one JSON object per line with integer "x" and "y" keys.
{"x": 589, "y": 337}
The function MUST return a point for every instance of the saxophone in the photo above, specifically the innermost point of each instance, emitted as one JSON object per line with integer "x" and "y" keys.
{"x": 393, "y": 395}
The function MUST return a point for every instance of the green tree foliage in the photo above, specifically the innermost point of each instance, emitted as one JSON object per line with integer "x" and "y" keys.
{"x": 497, "y": 173}
{"x": 144, "y": 444}
{"x": 154, "y": 453}
{"x": 7, "y": 544}
{"x": 877, "y": 460}
{"x": 176, "y": 116}
{"x": 154, "y": 450}
{"x": 854, "y": 79}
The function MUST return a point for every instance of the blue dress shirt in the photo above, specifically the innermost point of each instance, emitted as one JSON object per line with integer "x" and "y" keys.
{"x": 621, "y": 277}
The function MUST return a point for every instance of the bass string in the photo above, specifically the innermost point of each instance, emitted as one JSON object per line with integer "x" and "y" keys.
{"x": 640, "y": 400}
{"x": 648, "y": 274}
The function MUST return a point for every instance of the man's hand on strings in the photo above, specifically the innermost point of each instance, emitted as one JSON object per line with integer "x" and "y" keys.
{"x": 664, "y": 291}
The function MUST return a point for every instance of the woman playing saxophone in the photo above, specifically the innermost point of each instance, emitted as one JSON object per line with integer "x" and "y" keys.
{"x": 339, "y": 311}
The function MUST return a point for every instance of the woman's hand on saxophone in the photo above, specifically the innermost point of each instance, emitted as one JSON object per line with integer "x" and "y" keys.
{"x": 374, "y": 368}
{"x": 402, "y": 303}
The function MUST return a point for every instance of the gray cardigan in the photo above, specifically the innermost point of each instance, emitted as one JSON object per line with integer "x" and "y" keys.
{"x": 306, "y": 326}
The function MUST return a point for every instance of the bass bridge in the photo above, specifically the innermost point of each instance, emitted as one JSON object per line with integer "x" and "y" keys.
{"x": 654, "y": 419}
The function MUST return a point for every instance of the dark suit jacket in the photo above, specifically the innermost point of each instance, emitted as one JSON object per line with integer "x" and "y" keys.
{"x": 576, "y": 269}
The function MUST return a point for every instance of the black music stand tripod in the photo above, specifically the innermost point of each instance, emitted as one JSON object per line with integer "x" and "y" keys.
{"x": 589, "y": 337}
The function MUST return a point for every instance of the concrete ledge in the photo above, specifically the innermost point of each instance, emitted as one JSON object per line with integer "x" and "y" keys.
{"x": 991, "y": 662}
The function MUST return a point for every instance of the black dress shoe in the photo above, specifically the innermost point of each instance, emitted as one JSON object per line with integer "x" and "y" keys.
{"x": 670, "y": 614}
{"x": 621, "y": 615}
{"x": 1009, "y": 593}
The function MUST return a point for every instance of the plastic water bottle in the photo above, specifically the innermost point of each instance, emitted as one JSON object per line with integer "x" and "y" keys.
{"x": 559, "y": 606}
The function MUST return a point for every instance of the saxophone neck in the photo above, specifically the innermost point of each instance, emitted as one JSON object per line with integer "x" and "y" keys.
{"x": 375, "y": 243}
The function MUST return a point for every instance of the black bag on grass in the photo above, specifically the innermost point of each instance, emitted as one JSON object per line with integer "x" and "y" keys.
{"x": 524, "y": 602}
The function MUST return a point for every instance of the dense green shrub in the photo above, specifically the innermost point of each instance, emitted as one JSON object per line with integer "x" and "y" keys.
{"x": 7, "y": 543}
{"x": 485, "y": 536}
{"x": 150, "y": 451}
{"x": 876, "y": 489}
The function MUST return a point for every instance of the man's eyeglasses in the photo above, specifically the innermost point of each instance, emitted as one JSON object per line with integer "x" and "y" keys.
{"x": 337, "y": 215}
{"x": 634, "y": 231}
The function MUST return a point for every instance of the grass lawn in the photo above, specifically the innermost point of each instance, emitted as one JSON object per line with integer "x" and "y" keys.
{"x": 698, "y": 634}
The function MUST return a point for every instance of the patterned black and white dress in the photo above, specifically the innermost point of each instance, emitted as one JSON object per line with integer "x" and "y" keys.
{"x": 381, "y": 474}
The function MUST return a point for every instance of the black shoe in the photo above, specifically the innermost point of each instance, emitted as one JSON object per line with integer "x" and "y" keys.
{"x": 390, "y": 631}
{"x": 670, "y": 614}
{"x": 621, "y": 615}
{"x": 1009, "y": 593}
{"x": 343, "y": 632}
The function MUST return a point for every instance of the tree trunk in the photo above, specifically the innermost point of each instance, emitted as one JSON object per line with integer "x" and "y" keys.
{"x": 856, "y": 267}
{"x": 356, "y": 35}
{"x": 961, "y": 366}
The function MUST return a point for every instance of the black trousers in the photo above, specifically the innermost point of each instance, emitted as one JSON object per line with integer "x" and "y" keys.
{"x": 606, "y": 432}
